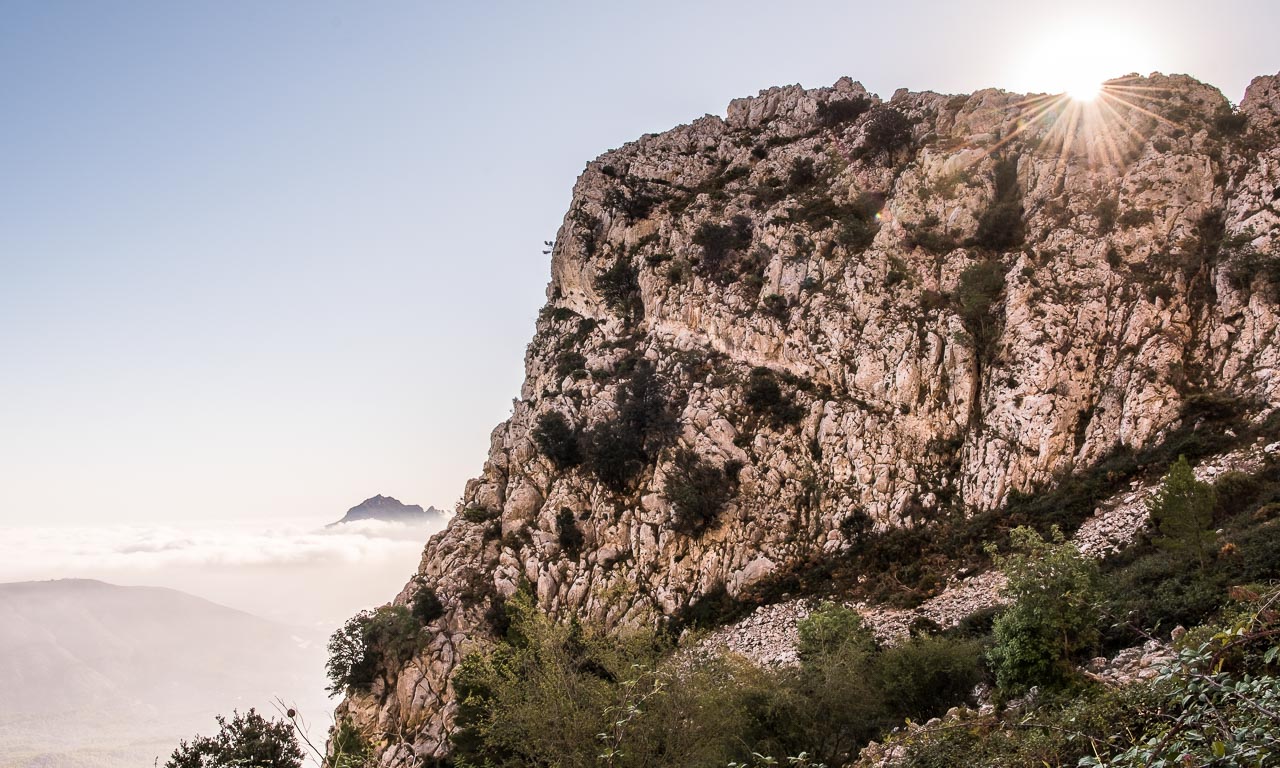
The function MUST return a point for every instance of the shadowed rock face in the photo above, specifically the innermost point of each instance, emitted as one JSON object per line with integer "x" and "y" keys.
{"x": 955, "y": 297}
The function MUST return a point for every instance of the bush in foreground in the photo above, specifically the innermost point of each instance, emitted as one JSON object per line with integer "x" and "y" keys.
{"x": 249, "y": 739}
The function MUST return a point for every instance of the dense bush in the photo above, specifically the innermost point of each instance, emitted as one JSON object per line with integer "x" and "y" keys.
{"x": 1001, "y": 227}
{"x": 247, "y": 740}
{"x": 720, "y": 242}
{"x": 567, "y": 532}
{"x": 840, "y": 111}
{"x": 569, "y": 361}
{"x": 1054, "y": 615}
{"x": 348, "y": 748}
{"x": 425, "y": 604}
{"x": 620, "y": 288}
{"x": 697, "y": 491}
{"x": 803, "y": 173}
{"x": 371, "y": 642}
{"x": 976, "y": 296}
{"x": 617, "y": 449}
{"x": 1182, "y": 510}
{"x": 764, "y": 396}
{"x": 571, "y": 695}
{"x": 557, "y": 440}
{"x": 885, "y": 132}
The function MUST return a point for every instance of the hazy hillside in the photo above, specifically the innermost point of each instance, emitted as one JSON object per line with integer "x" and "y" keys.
{"x": 102, "y": 675}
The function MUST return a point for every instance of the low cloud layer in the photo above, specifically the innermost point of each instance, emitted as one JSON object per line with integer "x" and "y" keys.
{"x": 296, "y": 573}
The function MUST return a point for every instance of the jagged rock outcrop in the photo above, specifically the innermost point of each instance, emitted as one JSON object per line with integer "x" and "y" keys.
{"x": 389, "y": 510}
{"x": 767, "y": 331}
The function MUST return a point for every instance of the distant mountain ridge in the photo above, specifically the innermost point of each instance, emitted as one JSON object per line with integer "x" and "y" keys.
{"x": 390, "y": 510}
{"x": 112, "y": 676}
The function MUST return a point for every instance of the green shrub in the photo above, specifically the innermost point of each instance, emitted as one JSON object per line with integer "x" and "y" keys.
{"x": 620, "y": 288}
{"x": 1105, "y": 213}
{"x": 976, "y": 295}
{"x": 775, "y": 306}
{"x": 1136, "y": 217}
{"x": 1054, "y": 614}
{"x": 1228, "y": 122}
{"x": 567, "y": 532}
{"x": 764, "y": 396}
{"x": 617, "y": 449}
{"x": 633, "y": 201}
{"x": 558, "y": 440}
{"x": 803, "y": 174}
{"x": 348, "y": 747}
{"x": 1182, "y": 510}
{"x": 369, "y": 643}
{"x": 885, "y": 132}
{"x": 569, "y": 361}
{"x": 697, "y": 491}
{"x": 856, "y": 233}
{"x": 840, "y": 111}
{"x": 925, "y": 676}
{"x": 249, "y": 739}
{"x": 719, "y": 243}
{"x": 480, "y": 515}
{"x": 425, "y": 604}
{"x": 1001, "y": 227}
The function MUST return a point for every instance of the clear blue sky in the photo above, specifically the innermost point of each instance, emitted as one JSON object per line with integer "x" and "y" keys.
{"x": 270, "y": 258}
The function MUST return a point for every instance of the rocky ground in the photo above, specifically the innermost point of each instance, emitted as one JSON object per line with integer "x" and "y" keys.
{"x": 768, "y": 636}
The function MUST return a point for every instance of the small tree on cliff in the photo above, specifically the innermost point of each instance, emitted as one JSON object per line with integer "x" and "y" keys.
{"x": 1182, "y": 510}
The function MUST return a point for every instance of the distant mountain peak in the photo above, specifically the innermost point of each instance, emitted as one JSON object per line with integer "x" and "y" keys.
{"x": 388, "y": 509}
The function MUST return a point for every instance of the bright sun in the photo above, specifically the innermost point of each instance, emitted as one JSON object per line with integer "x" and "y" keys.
{"x": 1085, "y": 89}
{"x": 1075, "y": 57}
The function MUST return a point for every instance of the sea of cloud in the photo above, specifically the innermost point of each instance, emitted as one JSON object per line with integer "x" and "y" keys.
{"x": 293, "y": 572}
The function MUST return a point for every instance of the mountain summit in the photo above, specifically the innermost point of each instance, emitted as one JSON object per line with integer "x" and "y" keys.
{"x": 773, "y": 336}
{"x": 389, "y": 510}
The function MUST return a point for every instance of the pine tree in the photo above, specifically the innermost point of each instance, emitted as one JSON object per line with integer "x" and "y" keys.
{"x": 1182, "y": 511}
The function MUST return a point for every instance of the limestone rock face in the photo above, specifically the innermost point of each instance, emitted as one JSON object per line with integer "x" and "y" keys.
{"x": 851, "y": 312}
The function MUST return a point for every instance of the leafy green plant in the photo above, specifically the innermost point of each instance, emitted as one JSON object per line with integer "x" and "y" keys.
{"x": 764, "y": 396}
{"x": 248, "y": 739}
{"x": 558, "y": 440}
{"x": 371, "y": 642}
{"x": 719, "y": 243}
{"x": 1182, "y": 510}
{"x": 617, "y": 449}
{"x": 1221, "y": 700}
{"x": 568, "y": 533}
{"x": 840, "y": 111}
{"x": 620, "y": 288}
{"x": 1054, "y": 614}
{"x": 977, "y": 294}
{"x": 1001, "y": 226}
{"x": 425, "y": 604}
{"x": 697, "y": 491}
{"x": 885, "y": 132}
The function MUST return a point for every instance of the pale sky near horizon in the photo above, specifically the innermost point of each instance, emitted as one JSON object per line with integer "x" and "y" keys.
{"x": 269, "y": 259}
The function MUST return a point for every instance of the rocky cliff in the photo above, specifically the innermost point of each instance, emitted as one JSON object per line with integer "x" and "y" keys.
{"x": 824, "y": 314}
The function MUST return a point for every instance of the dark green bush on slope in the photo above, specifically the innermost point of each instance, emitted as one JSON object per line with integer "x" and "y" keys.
{"x": 616, "y": 450}
{"x": 1054, "y": 618}
{"x": 697, "y": 491}
{"x": 568, "y": 695}
{"x": 370, "y": 642}
{"x": 719, "y": 243}
{"x": 557, "y": 440}
{"x": 247, "y": 740}
{"x": 1001, "y": 227}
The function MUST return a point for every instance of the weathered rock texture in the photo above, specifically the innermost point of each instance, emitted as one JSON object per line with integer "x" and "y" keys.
{"x": 1123, "y": 258}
